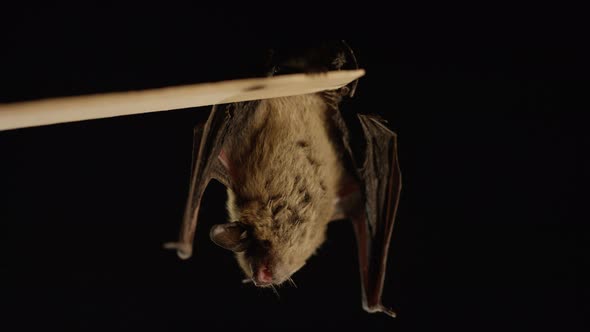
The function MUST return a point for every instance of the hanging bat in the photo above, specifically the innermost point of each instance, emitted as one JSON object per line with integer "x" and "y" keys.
{"x": 291, "y": 165}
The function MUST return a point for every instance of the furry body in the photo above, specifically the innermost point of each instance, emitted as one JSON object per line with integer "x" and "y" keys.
{"x": 287, "y": 172}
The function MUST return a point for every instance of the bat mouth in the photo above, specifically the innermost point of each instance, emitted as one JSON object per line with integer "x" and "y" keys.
{"x": 259, "y": 285}
{"x": 266, "y": 285}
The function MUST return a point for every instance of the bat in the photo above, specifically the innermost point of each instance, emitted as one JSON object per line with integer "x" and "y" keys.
{"x": 291, "y": 165}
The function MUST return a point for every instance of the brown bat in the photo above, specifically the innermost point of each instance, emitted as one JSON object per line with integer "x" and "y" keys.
{"x": 291, "y": 165}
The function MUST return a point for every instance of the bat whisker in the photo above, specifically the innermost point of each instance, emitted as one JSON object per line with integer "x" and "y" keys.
{"x": 292, "y": 282}
{"x": 275, "y": 291}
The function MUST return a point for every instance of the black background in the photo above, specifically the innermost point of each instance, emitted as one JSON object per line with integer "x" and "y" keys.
{"x": 490, "y": 138}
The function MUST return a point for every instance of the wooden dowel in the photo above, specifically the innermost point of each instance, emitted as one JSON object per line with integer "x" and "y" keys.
{"x": 78, "y": 108}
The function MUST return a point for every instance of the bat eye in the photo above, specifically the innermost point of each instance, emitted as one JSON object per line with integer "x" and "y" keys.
{"x": 232, "y": 236}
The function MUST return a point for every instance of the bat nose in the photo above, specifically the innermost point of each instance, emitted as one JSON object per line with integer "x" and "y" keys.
{"x": 263, "y": 276}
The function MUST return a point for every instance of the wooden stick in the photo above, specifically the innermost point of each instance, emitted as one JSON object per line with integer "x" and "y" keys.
{"x": 78, "y": 108}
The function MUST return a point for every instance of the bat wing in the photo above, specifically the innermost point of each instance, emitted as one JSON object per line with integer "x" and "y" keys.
{"x": 372, "y": 204}
{"x": 207, "y": 165}
{"x": 381, "y": 178}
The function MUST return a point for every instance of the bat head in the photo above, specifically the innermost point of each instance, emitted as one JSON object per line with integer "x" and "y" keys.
{"x": 270, "y": 243}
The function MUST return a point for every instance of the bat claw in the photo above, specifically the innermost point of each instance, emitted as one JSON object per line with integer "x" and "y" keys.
{"x": 388, "y": 312}
{"x": 183, "y": 250}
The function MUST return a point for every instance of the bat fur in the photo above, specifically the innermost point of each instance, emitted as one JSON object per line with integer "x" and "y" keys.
{"x": 289, "y": 172}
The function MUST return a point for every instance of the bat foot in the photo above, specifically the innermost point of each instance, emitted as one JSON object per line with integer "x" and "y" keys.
{"x": 183, "y": 250}
{"x": 311, "y": 57}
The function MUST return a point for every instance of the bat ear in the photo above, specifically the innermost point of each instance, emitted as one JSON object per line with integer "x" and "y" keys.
{"x": 232, "y": 236}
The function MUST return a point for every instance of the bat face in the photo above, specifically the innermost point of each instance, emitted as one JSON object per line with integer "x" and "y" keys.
{"x": 279, "y": 245}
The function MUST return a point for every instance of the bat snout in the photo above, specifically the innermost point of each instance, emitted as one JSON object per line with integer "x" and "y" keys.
{"x": 267, "y": 275}
{"x": 263, "y": 275}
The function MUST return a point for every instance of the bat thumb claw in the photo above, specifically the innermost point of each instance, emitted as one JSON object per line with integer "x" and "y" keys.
{"x": 388, "y": 312}
{"x": 183, "y": 250}
{"x": 380, "y": 308}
